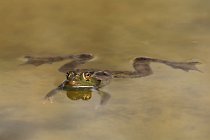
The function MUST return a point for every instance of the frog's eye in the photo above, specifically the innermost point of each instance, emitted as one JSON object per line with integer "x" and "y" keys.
{"x": 69, "y": 74}
{"x": 86, "y": 76}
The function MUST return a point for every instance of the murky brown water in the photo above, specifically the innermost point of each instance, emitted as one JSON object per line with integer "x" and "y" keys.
{"x": 171, "y": 104}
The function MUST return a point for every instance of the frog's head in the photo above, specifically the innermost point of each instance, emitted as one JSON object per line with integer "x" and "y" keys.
{"x": 81, "y": 80}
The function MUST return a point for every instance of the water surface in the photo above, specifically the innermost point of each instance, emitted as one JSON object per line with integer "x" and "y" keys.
{"x": 171, "y": 104}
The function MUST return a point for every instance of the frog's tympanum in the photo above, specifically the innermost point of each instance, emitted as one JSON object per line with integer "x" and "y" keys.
{"x": 80, "y": 83}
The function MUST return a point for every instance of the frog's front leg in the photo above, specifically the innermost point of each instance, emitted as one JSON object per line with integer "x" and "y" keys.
{"x": 53, "y": 92}
{"x": 104, "y": 97}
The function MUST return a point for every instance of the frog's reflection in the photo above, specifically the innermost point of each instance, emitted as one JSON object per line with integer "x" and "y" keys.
{"x": 76, "y": 95}
{"x": 87, "y": 95}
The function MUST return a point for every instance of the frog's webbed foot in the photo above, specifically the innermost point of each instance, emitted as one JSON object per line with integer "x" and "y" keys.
{"x": 144, "y": 62}
{"x": 36, "y": 61}
{"x": 33, "y": 61}
{"x": 185, "y": 66}
{"x": 142, "y": 65}
{"x": 104, "y": 97}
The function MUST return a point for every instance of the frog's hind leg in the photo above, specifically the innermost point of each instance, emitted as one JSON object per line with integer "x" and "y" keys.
{"x": 36, "y": 61}
{"x": 142, "y": 65}
{"x": 77, "y": 61}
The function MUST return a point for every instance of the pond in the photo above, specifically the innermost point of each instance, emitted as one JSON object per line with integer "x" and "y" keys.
{"x": 170, "y": 104}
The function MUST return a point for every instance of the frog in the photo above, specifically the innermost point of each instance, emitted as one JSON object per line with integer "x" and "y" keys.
{"x": 81, "y": 83}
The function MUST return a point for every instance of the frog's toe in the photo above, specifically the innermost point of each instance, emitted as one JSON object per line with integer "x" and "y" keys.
{"x": 48, "y": 99}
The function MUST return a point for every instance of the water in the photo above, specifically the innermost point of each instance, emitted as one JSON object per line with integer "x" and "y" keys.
{"x": 170, "y": 104}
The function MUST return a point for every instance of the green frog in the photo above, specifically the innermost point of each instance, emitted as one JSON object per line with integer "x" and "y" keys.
{"x": 80, "y": 83}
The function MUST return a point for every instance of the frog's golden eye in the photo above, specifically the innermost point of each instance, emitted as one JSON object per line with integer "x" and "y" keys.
{"x": 69, "y": 75}
{"x": 86, "y": 76}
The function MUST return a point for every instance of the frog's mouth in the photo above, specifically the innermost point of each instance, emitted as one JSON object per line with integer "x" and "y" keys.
{"x": 78, "y": 87}
{"x": 82, "y": 86}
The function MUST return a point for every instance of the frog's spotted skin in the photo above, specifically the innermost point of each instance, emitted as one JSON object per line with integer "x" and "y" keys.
{"x": 86, "y": 80}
